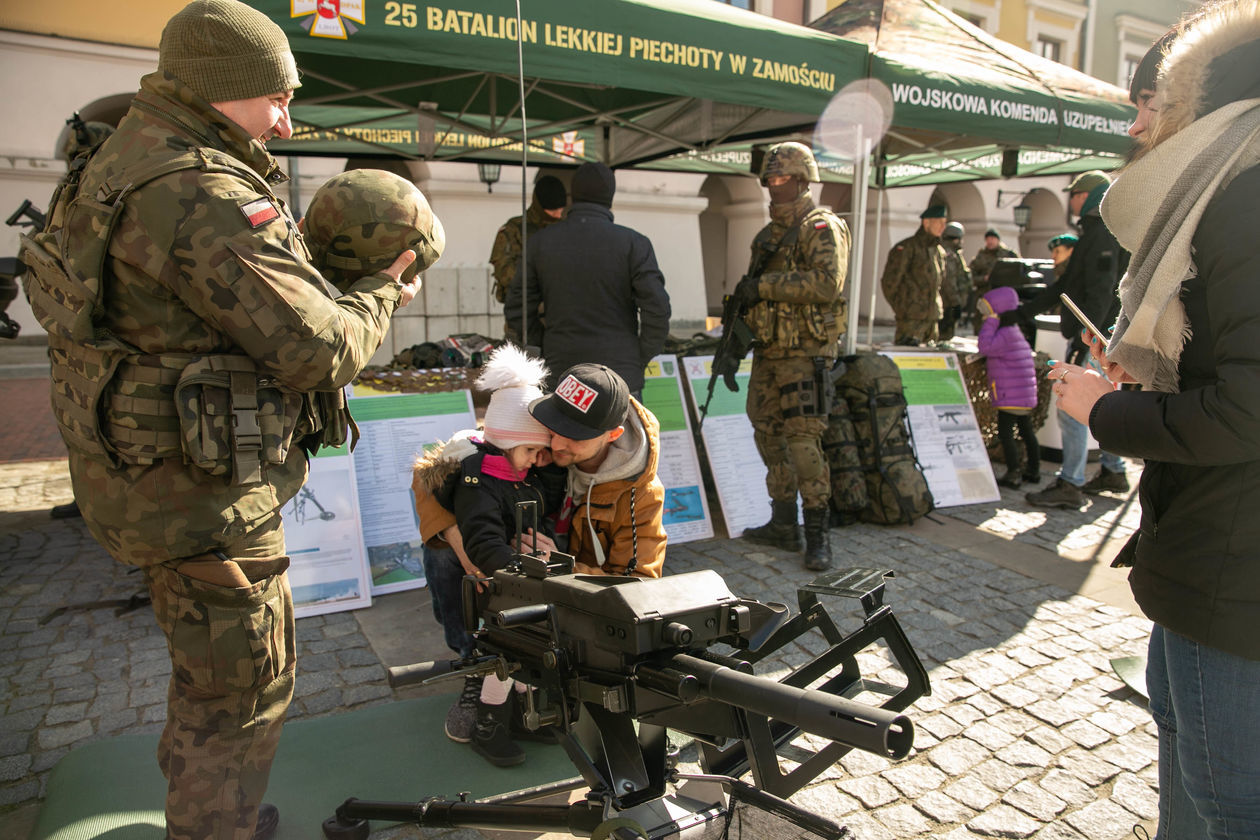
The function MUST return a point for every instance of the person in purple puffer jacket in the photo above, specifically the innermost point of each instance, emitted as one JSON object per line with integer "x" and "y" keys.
{"x": 1013, "y": 381}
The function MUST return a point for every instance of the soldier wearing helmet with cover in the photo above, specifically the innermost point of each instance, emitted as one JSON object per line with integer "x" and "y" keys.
{"x": 792, "y": 297}
{"x": 956, "y": 289}
{"x": 198, "y": 356}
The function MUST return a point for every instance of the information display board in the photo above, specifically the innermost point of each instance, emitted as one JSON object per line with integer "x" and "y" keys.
{"x": 324, "y": 539}
{"x": 947, "y": 439}
{"x": 686, "y": 506}
{"x": 396, "y": 428}
{"x": 738, "y": 473}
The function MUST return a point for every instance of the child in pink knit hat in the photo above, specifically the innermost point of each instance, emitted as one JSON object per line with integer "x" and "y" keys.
{"x": 481, "y": 477}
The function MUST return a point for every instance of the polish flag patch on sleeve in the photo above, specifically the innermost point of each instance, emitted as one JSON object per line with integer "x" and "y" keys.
{"x": 260, "y": 211}
{"x": 820, "y": 224}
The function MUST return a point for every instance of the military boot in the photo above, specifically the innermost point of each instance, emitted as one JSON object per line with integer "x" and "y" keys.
{"x": 780, "y": 531}
{"x": 817, "y": 539}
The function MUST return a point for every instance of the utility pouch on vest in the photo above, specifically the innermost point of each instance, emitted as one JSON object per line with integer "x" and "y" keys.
{"x": 330, "y": 419}
{"x": 234, "y": 421}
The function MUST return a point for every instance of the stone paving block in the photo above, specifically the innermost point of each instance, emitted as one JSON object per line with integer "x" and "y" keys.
{"x": 65, "y": 713}
{"x": 866, "y": 827}
{"x": 1035, "y": 801}
{"x": 1068, "y": 788}
{"x": 902, "y": 820}
{"x": 1003, "y": 821}
{"x": 1058, "y": 831}
{"x": 944, "y": 808}
{"x": 957, "y": 756}
{"x": 1113, "y": 723}
{"x": 1085, "y": 733}
{"x": 826, "y": 799}
{"x": 1024, "y": 754}
{"x": 14, "y": 767}
{"x": 989, "y": 736}
{"x": 52, "y": 737}
{"x": 871, "y": 791}
{"x": 914, "y": 780}
{"x": 1136, "y": 796}
{"x": 1102, "y": 820}
{"x": 1089, "y": 768}
{"x": 858, "y": 763}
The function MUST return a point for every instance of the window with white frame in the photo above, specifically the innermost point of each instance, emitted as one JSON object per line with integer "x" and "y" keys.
{"x": 1054, "y": 28}
{"x": 982, "y": 13}
{"x": 1135, "y": 35}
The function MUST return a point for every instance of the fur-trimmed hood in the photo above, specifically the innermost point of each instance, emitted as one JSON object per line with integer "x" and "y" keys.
{"x": 433, "y": 467}
{"x": 1214, "y": 61}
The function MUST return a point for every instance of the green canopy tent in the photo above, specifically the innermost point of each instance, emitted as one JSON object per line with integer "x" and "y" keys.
{"x": 968, "y": 105}
{"x": 622, "y": 81}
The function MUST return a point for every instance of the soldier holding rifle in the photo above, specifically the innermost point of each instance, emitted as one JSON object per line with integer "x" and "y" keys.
{"x": 791, "y": 300}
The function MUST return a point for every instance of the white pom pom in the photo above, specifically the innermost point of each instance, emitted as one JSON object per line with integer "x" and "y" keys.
{"x": 509, "y": 367}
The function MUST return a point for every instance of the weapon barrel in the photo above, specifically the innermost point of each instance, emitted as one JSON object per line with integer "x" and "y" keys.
{"x": 418, "y": 672}
{"x": 859, "y": 725}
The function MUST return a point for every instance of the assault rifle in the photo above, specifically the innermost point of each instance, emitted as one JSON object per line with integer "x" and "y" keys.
{"x": 613, "y": 662}
{"x": 737, "y": 338}
{"x": 28, "y": 216}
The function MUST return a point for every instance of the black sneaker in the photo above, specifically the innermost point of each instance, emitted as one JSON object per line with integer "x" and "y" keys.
{"x": 491, "y": 738}
{"x": 462, "y": 716}
{"x": 1061, "y": 494}
{"x": 1106, "y": 481}
{"x": 1011, "y": 479}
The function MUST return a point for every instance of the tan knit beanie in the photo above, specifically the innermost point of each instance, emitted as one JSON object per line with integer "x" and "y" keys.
{"x": 225, "y": 50}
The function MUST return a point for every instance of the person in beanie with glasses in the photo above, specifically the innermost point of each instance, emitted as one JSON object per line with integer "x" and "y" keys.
{"x": 190, "y": 395}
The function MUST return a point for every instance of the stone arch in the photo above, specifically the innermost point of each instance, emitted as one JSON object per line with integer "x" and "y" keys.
{"x": 966, "y": 206}
{"x": 1048, "y": 219}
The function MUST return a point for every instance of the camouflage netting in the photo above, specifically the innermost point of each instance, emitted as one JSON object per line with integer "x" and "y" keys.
{"x": 976, "y": 375}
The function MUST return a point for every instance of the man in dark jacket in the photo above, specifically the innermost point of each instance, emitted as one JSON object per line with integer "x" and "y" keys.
{"x": 1090, "y": 280}
{"x": 599, "y": 284}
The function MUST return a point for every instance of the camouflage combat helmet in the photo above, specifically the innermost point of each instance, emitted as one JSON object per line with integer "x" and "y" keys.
{"x": 360, "y": 221}
{"x": 789, "y": 159}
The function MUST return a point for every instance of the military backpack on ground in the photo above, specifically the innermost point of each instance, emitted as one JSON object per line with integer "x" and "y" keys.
{"x": 874, "y": 474}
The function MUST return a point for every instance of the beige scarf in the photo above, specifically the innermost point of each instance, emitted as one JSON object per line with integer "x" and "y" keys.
{"x": 1153, "y": 209}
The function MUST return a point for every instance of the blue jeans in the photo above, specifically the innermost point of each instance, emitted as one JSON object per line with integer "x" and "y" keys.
{"x": 445, "y": 578}
{"x": 1205, "y": 702}
{"x": 1075, "y": 443}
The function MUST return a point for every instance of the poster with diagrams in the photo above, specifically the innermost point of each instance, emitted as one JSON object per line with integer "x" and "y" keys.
{"x": 686, "y": 506}
{"x": 947, "y": 438}
{"x": 738, "y": 473}
{"x": 328, "y": 567}
{"x": 396, "y": 428}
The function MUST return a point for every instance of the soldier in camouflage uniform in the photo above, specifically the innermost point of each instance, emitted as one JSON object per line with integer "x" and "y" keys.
{"x": 196, "y": 359}
{"x": 956, "y": 289}
{"x": 912, "y": 280}
{"x": 994, "y": 249}
{"x": 546, "y": 209}
{"x": 792, "y": 297}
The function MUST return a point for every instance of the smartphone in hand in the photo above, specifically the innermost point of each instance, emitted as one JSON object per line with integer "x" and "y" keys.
{"x": 1080, "y": 316}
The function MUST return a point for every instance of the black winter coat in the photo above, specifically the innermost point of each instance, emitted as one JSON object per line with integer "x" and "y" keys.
{"x": 484, "y": 505}
{"x": 1196, "y": 558}
{"x": 604, "y": 296}
{"x": 1090, "y": 279}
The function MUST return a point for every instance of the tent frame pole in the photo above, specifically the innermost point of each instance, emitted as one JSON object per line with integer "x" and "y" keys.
{"x": 870, "y": 312}
{"x": 861, "y": 175}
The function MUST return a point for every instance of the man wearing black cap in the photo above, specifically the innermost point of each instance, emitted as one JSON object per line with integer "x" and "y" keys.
{"x": 545, "y": 210}
{"x": 912, "y": 280}
{"x": 599, "y": 284}
{"x": 610, "y": 444}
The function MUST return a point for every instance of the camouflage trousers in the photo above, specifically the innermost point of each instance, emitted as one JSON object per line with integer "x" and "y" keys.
{"x": 790, "y": 446}
{"x": 916, "y": 331}
{"x": 229, "y": 629}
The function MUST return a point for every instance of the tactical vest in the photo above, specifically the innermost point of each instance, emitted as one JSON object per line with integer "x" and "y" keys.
{"x": 122, "y": 406}
{"x": 793, "y": 326}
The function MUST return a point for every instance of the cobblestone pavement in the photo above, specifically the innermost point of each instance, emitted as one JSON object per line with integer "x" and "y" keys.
{"x": 1027, "y": 732}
